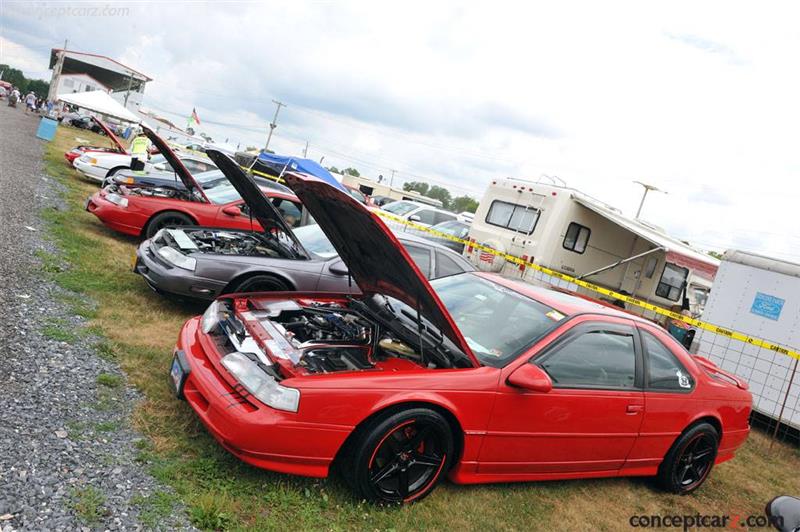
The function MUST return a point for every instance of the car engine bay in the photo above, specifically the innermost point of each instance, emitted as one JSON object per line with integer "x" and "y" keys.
{"x": 225, "y": 242}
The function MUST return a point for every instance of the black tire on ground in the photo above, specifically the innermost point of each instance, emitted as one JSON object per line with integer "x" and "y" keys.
{"x": 116, "y": 169}
{"x": 261, "y": 283}
{"x": 165, "y": 219}
{"x": 689, "y": 460}
{"x": 399, "y": 457}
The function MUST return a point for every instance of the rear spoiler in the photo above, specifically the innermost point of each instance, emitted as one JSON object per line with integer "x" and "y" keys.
{"x": 714, "y": 370}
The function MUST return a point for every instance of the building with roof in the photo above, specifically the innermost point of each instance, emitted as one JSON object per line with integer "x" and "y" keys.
{"x": 81, "y": 72}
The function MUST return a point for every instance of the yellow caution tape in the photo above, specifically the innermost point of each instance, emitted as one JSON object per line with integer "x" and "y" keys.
{"x": 735, "y": 335}
{"x": 262, "y": 174}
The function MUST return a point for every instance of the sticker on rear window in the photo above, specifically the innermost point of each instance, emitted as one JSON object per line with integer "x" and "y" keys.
{"x": 555, "y": 315}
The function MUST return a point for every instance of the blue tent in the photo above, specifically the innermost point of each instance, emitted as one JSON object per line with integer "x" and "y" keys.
{"x": 307, "y": 166}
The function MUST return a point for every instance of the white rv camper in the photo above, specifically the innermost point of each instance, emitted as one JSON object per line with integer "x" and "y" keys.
{"x": 758, "y": 296}
{"x": 568, "y": 231}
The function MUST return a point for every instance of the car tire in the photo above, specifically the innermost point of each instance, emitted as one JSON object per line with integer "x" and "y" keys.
{"x": 113, "y": 171}
{"x": 399, "y": 457}
{"x": 690, "y": 459}
{"x": 261, "y": 283}
{"x": 165, "y": 219}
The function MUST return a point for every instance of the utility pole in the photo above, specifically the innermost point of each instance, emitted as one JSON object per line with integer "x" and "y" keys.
{"x": 647, "y": 188}
{"x": 305, "y": 151}
{"x": 273, "y": 124}
{"x": 391, "y": 180}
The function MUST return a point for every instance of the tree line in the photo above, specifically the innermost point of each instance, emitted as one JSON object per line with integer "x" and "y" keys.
{"x": 455, "y": 204}
{"x": 25, "y": 85}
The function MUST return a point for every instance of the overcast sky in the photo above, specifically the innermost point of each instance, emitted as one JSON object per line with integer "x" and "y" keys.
{"x": 697, "y": 98}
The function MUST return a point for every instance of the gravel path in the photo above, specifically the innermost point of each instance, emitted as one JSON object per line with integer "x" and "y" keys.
{"x": 67, "y": 452}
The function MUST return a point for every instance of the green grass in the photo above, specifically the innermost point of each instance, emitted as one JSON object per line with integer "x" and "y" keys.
{"x": 154, "y": 509}
{"x": 109, "y": 380}
{"x": 60, "y": 330}
{"x": 89, "y": 504}
{"x": 138, "y": 331}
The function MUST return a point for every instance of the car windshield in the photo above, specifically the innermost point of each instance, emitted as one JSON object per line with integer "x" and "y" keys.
{"x": 209, "y": 176}
{"x": 314, "y": 240}
{"x": 222, "y": 194}
{"x": 454, "y": 228}
{"x": 497, "y": 322}
{"x": 400, "y": 207}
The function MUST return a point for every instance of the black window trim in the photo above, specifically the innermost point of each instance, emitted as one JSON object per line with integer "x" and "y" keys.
{"x": 591, "y": 326}
{"x": 580, "y": 226}
{"x": 515, "y": 205}
{"x": 646, "y": 359}
{"x": 683, "y": 285}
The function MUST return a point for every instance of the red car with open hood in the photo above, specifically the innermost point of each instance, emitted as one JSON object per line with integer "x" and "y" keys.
{"x": 142, "y": 211}
{"x": 471, "y": 377}
{"x": 117, "y": 147}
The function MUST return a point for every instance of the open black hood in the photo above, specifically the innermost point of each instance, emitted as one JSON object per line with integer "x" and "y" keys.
{"x": 260, "y": 206}
{"x": 180, "y": 170}
{"x": 376, "y": 259}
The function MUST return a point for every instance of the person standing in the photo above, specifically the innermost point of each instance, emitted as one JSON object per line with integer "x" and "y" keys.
{"x": 139, "y": 148}
{"x": 30, "y": 102}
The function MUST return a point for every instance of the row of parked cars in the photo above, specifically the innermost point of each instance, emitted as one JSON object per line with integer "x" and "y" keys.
{"x": 334, "y": 341}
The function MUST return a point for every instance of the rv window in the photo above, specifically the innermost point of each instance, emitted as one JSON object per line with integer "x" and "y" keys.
{"x": 672, "y": 280}
{"x": 510, "y": 216}
{"x": 576, "y": 238}
{"x": 650, "y": 267}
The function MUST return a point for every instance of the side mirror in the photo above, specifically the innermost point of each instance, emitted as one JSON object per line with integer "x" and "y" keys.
{"x": 339, "y": 268}
{"x": 414, "y": 218}
{"x": 531, "y": 377}
{"x": 232, "y": 210}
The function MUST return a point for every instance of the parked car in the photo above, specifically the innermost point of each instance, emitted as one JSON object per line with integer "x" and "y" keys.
{"x": 140, "y": 211}
{"x": 454, "y": 228}
{"x": 472, "y": 377}
{"x": 418, "y": 213}
{"x": 206, "y": 180}
{"x": 86, "y": 122}
{"x": 380, "y": 201}
{"x": 117, "y": 147}
{"x": 203, "y": 263}
{"x": 157, "y": 169}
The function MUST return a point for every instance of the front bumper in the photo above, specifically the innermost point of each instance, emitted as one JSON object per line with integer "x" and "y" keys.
{"x": 257, "y": 434}
{"x": 126, "y": 220}
{"x": 163, "y": 277}
{"x": 90, "y": 171}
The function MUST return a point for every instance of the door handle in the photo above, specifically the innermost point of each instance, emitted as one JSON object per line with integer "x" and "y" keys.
{"x": 634, "y": 409}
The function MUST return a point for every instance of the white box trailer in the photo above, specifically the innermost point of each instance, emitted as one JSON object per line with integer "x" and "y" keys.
{"x": 570, "y": 232}
{"x": 758, "y": 296}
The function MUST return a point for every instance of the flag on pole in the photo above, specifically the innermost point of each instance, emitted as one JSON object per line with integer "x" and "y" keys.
{"x": 194, "y": 120}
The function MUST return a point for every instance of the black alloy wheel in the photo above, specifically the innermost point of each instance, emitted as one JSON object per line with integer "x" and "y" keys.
{"x": 690, "y": 460}
{"x": 166, "y": 219}
{"x": 400, "y": 458}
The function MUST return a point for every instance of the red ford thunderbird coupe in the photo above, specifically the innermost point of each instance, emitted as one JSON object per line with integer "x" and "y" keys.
{"x": 471, "y": 377}
{"x": 143, "y": 211}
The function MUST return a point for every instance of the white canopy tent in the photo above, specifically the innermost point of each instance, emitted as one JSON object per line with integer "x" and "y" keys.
{"x": 99, "y": 102}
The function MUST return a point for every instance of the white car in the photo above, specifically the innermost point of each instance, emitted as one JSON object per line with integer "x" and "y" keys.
{"x": 101, "y": 166}
{"x": 418, "y": 213}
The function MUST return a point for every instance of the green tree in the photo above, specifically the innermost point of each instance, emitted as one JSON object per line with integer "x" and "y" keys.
{"x": 39, "y": 87}
{"x": 416, "y": 186}
{"x": 441, "y": 194}
{"x": 351, "y": 171}
{"x": 333, "y": 169}
{"x": 18, "y": 79}
{"x": 464, "y": 203}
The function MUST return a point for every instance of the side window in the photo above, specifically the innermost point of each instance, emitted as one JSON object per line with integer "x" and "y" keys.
{"x": 595, "y": 359}
{"x": 193, "y": 166}
{"x": 664, "y": 371}
{"x": 427, "y": 216}
{"x": 672, "y": 281}
{"x": 422, "y": 257}
{"x": 576, "y": 238}
{"x": 446, "y": 266}
{"x": 440, "y": 217}
{"x": 291, "y": 213}
{"x": 510, "y": 216}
